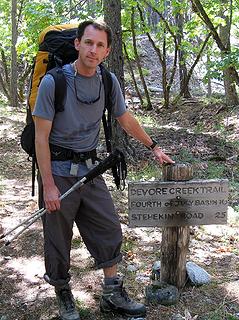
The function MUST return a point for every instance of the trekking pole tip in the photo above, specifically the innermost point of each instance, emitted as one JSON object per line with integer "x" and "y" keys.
{"x": 5, "y": 245}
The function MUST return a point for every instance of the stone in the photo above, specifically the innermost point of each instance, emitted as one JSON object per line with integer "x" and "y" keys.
{"x": 197, "y": 275}
{"x": 162, "y": 293}
{"x": 177, "y": 317}
{"x": 132, "y": 268}
{"x": 156, "y": 270}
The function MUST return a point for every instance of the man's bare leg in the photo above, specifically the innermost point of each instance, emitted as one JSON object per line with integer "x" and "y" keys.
{"x": 110, "y": 272}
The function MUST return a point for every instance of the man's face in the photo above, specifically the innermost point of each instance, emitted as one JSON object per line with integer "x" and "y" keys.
{"x": 92, "y": 47}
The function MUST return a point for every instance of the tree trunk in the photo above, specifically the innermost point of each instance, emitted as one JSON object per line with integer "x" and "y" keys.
{"x": 228, "y": 73}
{"x": 14, "y": 74}
{"x": 230, "y": 88}
{"x": 209, "y": 81}
{"x": 112, "y": 16}
{"x": 181, "y": 58}
{"x": 4, "y": 77}
{"x": 223, "y": 43}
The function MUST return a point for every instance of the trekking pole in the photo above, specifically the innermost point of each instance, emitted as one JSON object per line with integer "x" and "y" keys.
{"x": 112, "y": 159}
{"x": 22, "y": 223}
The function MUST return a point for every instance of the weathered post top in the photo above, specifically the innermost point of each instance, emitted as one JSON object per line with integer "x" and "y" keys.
{"x": 177, "y": 172}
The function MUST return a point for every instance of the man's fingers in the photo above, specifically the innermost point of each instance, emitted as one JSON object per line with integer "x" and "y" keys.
{"x": 169, "y": 160}
{"x": 52, "y": 205}
{"x": 161, "y": 156}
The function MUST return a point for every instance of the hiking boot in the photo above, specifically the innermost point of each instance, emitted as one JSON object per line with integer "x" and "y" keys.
{"x": 115, "y": 299}
{"x": 66, "y": 304}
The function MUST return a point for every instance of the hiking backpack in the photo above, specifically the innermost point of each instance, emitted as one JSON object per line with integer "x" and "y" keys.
{"x": 56, "y": 48}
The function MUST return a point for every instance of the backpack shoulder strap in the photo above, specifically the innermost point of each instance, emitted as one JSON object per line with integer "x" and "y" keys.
{"x": 107, "y": 122}
{"x": 60, "y": 88}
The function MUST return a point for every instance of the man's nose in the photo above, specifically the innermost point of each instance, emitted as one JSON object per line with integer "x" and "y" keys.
{"x": 93, "y": 48}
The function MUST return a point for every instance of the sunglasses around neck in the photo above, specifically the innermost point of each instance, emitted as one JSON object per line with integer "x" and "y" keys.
{"x": 76, "y": 92}
{"x": 85, "y": 101}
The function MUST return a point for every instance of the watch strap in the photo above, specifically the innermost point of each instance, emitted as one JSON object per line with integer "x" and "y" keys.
{"x": 153, "y": 145}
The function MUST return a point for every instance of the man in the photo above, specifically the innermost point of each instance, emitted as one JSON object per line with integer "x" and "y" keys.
{"x": 91, "y": 207}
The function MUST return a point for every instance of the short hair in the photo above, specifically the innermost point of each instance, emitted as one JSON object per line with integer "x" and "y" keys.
{"x": 99, "y": 25}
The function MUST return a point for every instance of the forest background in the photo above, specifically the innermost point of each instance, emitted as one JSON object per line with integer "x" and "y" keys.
{"x": 177, "y": 62}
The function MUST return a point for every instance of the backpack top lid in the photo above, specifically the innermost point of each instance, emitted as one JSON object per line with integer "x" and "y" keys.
{"x": 59, "y": 41}
{"x": 58, "y": 28}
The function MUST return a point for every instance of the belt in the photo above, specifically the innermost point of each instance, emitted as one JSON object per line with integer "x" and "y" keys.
{"x": 62, "y": 154}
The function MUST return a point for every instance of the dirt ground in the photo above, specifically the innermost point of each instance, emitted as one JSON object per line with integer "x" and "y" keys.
{"x": 25, "y": 296}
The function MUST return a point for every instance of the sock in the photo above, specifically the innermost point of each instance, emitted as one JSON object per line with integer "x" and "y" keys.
{"x": 59, "y": 288}
{"x": 111, "y": 281}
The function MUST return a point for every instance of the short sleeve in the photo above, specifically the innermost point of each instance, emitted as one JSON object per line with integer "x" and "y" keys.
{"x": 44, "y": 107}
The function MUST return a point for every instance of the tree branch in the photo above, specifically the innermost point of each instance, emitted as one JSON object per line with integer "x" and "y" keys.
{"x": 168, "y": 28}
{"x": 190, "y": 72}
{"x": 5, "y": 68}
{"x": 199, "y": 10}
{"x": 132, "y": 75}
{"x": 149, "y": 105}
{"x": 4, "y": 88}
{"x": 20, "y": 14}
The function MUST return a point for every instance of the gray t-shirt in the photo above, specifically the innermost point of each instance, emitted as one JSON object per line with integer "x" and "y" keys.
{"x": 78, "y": 126}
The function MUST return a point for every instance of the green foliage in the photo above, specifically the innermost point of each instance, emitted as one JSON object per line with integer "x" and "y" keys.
{"x": 220, "y": 315}
{"x": 147, "y": 119}
{"x": 214, "y": 171}
{"x": 236, "y": 208}
{"x": 185, "y": 156}
{"x": 5, "y": 27}
{"x": 33, "y": 17}
{"x": 77, "y": 243}
{"x": 145, "y": 71}
{"x": 37, "y": 14}
{"x": 128, "y": 244}
{"x": 84, "y": 311}
{"x": 234, "y": 191}
{"x": 199, "y": 128}
{"x": 216, "y": 66}
{"x": 150, "y": 171}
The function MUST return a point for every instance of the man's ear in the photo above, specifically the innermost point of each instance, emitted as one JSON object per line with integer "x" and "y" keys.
{"x": 107, "y": 52}
{"x": 77, "y": 44}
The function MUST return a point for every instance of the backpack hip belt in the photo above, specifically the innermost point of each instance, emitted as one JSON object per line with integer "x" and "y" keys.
{"x": 63, "y": 154}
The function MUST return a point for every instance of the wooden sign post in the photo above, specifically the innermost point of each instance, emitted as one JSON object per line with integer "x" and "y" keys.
{"x": 176, "y": 205}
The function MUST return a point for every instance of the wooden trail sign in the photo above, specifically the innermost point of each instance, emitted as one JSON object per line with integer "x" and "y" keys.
{"x": 177, "y": 203}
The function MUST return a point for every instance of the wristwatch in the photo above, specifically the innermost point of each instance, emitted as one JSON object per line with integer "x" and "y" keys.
{"x": 153, "y": 145}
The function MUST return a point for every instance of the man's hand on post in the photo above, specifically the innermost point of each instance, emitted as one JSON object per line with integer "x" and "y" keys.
{"x": 160, "y": 156}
